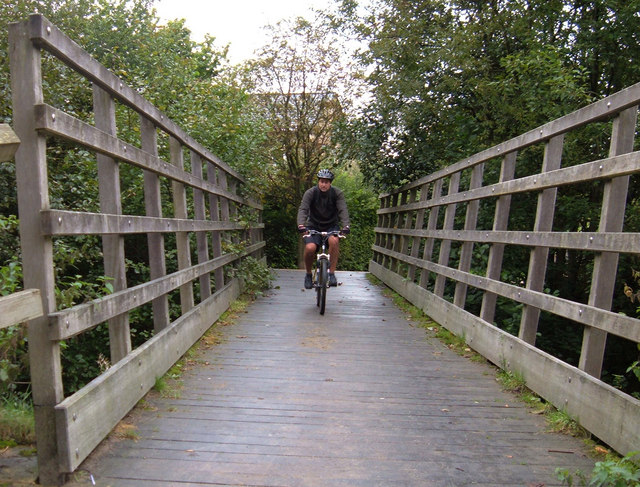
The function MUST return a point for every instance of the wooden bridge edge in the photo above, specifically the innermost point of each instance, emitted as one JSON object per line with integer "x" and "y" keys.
{"x": 84, "y": 419}
{"x": 583, "y": 397}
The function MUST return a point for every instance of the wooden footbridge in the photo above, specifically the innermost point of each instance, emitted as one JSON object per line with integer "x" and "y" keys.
{"x": 359, "y": 396}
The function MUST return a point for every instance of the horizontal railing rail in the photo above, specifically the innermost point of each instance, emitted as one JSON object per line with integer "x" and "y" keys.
{"x": 430, "y": 234}
{"x": 18, "y": 307}
{"x": 204, "y": 200}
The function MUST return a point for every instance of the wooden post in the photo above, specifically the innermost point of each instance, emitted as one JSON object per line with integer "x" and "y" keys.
{"x": 419, "y": 223}
{"x": 378, "y": 237}
{"x": 605, "y": 265}
{"x": 153, "y": 207}
{"x": 389, "y": 240}
{"x": 182, "y": 238}
{"x": 470, "y": 223}
{"x": 400, "y": 217}
{"x": 445, "y": 245}
{"x": 434, "y": 211}
{"x": 110, "y": 202}
{"x": 496, "y": 252}
{"x": 37, "y": 251}
{"x": 408, "y": 223}
{"x": 214, "y": 212}
{"x": 199, "y": 208}
{"x": 224, "y": 212}
{"x": 539, "y": 255}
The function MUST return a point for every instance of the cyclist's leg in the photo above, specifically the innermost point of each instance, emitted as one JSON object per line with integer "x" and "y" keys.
{"x": 334, "y": 249}
{"x": 311, "y": 244}
{"x": 310, "y": 248}
{"x": 334, "y": 252}
{"x": 309, "y": 256}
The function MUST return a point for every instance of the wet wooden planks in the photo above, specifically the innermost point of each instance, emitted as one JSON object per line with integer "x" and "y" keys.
{"x": 357, "y": 397}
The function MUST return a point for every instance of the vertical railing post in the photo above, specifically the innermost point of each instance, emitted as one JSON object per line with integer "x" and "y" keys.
{"x": 500, "y": 223}
{"x": 224, "y": 213}
{"x": 606, "y": 263}
{"x": 216, "y": 237}
{"x": 37, "y": 251}
{"x": 390, "y": 222}
{"x": 110, "y": 202}
{"x": 470, "y": 223}
{"x": 400, "y": 217}
{"x": 445, "y": 245}
{"x": 434, "y": 211}
{"x": 408, "y": 223}
{"x": 199, "y": 208}
{"x": 379, "y": 235}
{"x": 153, "y": 206}
{"x": 419, "y": 223}
{"x": 539, "y": 255}
{"x": 182, "y": 238}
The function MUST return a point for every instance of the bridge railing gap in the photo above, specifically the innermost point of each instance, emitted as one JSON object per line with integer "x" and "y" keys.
{"x": 423, "y": 252}
{"x": 69, "y": 428}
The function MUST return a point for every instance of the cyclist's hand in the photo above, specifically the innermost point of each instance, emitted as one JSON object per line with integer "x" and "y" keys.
{"x": 345, "y": 231}
{"x": 302, "y": 229}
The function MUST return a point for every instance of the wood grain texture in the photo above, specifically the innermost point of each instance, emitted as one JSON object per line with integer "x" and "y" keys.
{"x": 357, "y": 397}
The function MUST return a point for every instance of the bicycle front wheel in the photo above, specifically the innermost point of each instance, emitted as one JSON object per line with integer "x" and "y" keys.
{"x": 323, "y": 282}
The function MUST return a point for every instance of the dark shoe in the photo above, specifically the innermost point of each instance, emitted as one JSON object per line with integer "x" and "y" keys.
{"x": 308, "y": 281}
{"x": 333, "y": 282}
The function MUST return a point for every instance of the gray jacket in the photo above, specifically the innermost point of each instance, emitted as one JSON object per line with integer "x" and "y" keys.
{"x": 322, "y": 211}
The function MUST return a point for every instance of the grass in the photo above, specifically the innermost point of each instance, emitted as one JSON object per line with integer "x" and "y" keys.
{"x": 16, "y": 423}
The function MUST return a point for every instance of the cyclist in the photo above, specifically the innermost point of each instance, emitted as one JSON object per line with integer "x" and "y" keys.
{"x": 323, "y": 208}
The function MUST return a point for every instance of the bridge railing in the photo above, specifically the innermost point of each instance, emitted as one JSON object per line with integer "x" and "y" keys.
{"x": 205, "y": 203}
{"x": 428, "y": 229}
{"x": 18, "y": 307}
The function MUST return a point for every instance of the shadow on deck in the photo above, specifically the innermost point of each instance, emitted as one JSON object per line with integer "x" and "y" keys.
{"x": 357, "y": 397}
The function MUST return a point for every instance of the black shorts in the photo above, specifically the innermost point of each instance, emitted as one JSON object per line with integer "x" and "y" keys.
{"x": 317, "y": 239}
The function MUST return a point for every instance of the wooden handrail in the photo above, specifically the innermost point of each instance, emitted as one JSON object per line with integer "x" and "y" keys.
{"x": 19, "y": 307}
{"x": 9, "y": 142}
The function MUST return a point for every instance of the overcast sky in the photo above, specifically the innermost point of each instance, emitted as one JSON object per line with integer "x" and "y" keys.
{"x": 235, "y": 22}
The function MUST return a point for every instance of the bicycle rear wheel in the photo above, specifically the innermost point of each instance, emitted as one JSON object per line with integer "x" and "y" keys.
{"x": 323, "y": 281}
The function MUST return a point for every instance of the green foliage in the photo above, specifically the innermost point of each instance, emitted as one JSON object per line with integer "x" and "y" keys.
{"x": 449, "y": 78}
{"x": 190, "y": 82}
{"x": 612, "y": 472}
{"x": 14, "y": 359}
{"x": 280, "y": 235}
{"x": 255, "y": 274}
{"x": 362, "y": 202}
{"x": 512, "y": 380}
{"x": 16, "y": 421}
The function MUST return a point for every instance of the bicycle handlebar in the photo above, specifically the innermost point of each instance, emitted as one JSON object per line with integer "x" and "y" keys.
{"x": 337, "y": 233}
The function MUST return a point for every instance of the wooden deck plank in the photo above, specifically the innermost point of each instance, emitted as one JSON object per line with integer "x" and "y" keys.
{"x": 357, "y": 397}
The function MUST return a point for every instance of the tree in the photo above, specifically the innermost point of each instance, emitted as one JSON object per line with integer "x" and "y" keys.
{"x": 304, "y": 92}
{"x": 449, "y": 78}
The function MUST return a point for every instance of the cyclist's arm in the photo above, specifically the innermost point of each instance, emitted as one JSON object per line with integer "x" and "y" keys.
{"x": 343, "y": 211}
{"x": 303, "y": 210}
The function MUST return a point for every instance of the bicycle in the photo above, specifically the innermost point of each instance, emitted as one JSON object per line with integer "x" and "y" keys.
{"x": 321, "y": 271}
